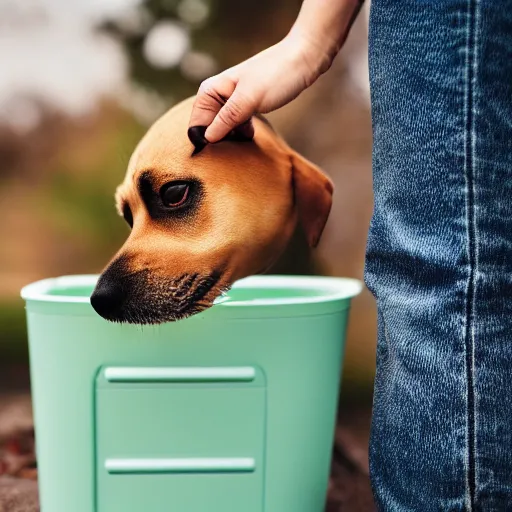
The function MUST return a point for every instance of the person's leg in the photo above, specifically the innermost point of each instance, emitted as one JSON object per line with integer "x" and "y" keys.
{"x": 439, "y": 255}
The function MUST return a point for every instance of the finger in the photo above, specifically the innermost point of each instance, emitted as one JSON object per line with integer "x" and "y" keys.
{"x": 237, "y": 110}
{"x": 243, "y": 132}
{"x": 210, "y": 98}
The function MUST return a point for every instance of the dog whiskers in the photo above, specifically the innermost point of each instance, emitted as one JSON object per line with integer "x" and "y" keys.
{"x": 154, "y": 300}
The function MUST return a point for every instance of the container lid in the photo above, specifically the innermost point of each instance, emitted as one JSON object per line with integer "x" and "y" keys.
{"x": 253, "y": 296}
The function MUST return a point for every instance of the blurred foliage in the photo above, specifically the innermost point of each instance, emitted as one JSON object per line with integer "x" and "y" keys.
{"x": 13, "y": 339}
{"x": 232, "y": 31}
{"x": 84, "y": 198}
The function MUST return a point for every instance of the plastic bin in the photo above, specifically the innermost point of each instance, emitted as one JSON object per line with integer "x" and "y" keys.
{"x": 232, "y": 410}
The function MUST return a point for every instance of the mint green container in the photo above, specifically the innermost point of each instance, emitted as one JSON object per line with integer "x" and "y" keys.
{"x": 232, "y": 410}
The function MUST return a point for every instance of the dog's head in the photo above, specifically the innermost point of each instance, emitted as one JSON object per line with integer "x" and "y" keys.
{"x": 201, "y": 221}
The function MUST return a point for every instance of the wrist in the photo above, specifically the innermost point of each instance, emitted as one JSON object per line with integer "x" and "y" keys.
{"x": 322, "y": 28}
{"x": 315, "y": 54}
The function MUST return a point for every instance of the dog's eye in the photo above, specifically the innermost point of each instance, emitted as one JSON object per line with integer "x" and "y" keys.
{"x": 175, "y": 194}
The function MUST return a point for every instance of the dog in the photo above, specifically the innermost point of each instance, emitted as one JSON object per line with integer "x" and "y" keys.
{"x": 205, "y": 215}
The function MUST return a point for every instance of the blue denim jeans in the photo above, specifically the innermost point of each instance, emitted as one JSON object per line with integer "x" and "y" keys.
{"x": 439, "y": 254}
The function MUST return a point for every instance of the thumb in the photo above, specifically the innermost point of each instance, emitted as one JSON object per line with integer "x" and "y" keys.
{"x": 237, "y": 110}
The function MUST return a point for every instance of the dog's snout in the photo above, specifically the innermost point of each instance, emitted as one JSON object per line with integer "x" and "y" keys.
{"x": 109, "y": 295}
{"x": 107, "y": 299}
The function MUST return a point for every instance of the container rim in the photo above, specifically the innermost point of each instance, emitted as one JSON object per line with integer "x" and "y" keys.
{"x": 331, "y": 288}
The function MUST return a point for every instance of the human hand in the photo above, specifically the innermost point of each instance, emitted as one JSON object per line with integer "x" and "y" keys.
{"x": 260, "y": 84}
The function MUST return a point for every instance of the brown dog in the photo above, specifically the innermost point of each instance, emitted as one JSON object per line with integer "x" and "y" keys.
{"x": 203, "y": 218}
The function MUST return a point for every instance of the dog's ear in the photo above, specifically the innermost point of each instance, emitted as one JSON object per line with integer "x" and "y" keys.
{"x": 313, "y": 197}
{"x": 242, "y": 133}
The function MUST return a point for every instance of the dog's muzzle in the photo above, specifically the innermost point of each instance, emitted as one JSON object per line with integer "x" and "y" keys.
{"x": 142, "y": 297}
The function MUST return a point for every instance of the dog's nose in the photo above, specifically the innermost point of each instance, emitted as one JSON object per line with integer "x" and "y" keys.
{"x": 107, "y": 299}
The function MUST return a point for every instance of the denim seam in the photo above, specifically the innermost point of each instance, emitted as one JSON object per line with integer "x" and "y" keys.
{"x": 472, "y": 236}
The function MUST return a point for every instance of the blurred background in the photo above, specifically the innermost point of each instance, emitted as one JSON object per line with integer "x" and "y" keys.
{"x": 79, "y": 84}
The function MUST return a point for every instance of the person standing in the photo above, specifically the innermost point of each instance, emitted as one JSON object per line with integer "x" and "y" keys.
{"x": 439, "y": 252}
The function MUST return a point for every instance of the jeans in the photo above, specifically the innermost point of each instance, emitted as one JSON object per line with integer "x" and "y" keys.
{"x": 439, "y": 254}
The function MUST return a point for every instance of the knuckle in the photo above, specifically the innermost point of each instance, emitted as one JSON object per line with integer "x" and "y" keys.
{"x": 206, "y": 85}
{"x": 206, "y": 102}
{"x": 232, "y": 113}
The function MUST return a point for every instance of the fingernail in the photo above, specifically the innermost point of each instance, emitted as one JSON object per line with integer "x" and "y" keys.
{"x": 196, "y": 136}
